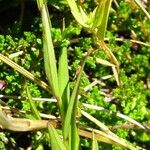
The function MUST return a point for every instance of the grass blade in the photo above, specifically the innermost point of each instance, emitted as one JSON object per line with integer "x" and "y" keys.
{"x": 105, "y": 11}
{"x": 70, "y": 119}
{"x": 63, "y": 79}
{"x": 99, "y": 13}
{"x": 74, "y": 137}
{"x": 76, "y": 12}
{"x": 71, "y": 111}
{"x": 104, "y": 62}
{"x": 56, "y": 142}
{"x": 48, "y": 49}
{"x": 125, "y": 117}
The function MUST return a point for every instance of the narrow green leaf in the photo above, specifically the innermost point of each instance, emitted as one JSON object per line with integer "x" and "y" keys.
{"x": 63, "y": 74}
{"x": 98, "y": 16}
{"x": 32, "y": 105}
{"x": 49, "y": 55}
{"x": 76, "y": 12}
{"x": 83, "y": 14}
{"x": 71, "y": 111}
{"x": 103, "y": 19}
{"x": 63, "y": 79}
{"x": 56, "y": 142}
{"x": 72, "y": 107}
{"x": 74, "y": 136}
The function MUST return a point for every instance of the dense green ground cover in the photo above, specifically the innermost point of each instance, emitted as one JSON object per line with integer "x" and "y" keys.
{"x": 22, "y": 35}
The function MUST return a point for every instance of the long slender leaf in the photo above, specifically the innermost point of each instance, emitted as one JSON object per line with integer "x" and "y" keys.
{"x": 76, "y": 12}
{"x": 49, "y": 56}
{"x": 72, "y": 108}
{"x": 56, "y": 142}
{"x": 74, "y": 136}
{"x": 73, "y": 102}
{"x": 102, "y": 13}
{"x": 48, "y": 49}
{"x": 63, "y": 79}
{"x": 125, "y": 117}
{"x": 103, "y": 19}
{"x": 99, "y": 13}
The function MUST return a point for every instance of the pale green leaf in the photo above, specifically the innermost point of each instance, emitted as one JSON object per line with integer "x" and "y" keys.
{"x": 49, "y": 55}
{"x": 98, "y": 16}
{"x": 104, "y": 62}
{"x": 103, "y": 19}
{"x": 63, "y": 78}
{"x": 84, "y": 16}
{"x": 76, "y": 12}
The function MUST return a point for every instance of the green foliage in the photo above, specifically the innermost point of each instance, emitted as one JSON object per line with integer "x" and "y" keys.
{"x": 3, "y": 140}
{"x": 130, "y": 98}
{"x": 133, "y": 97}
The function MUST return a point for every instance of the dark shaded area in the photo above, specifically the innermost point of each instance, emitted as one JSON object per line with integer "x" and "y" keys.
{"x": 22, "y": 139}
{"x": 17, "y": 15}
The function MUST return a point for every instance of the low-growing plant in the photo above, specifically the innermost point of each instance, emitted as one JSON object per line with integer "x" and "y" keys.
{"x": 83, "y": 99}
